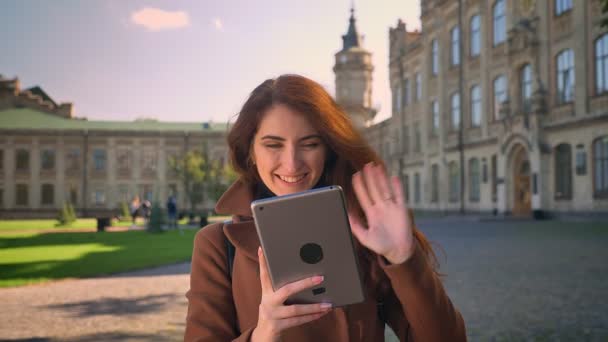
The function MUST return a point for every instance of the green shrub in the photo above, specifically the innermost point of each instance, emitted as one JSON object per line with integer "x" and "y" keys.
{"x": 157, "y": 219}
{"x": 125, "y": 212}
{"x": 66, "y": 215}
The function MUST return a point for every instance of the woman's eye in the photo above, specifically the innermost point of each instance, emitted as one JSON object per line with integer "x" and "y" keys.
{"x": 273, "y": 146}
{"x": 311, "y": 145}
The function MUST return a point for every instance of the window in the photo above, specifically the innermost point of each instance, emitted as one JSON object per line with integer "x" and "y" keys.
{"x": 500, "y": 22}
{"x": 99, "y": 160}
{"x": 47, "y": 194}
{"x": 474, "y": 180}
{"x": 494, "y": 165}
{"x": 600, "y": 167}
{"x": 405, "y": 139}
{"x": 418, "y": 86}
{"x": 526, "y": 88}
{"x": 72, "y": 162}
{"x": 416, "y": 188}
{"x": 22, "y": 197}
{"x": 22, "y": 160}
{"x": 434, "y": 183}
{"x": 73, "y": 193}
{"x": 565, "y": 76}
{"x": 562, "y": 6}
{"x": 1, "y": 198}
{"x": 148, "y": 161}
{"x": 500, "y": 94}
{"x": 47, "y": 160}
{"x": 435, "y": 118}
{"x": 455, "y": 102}
{"x": 475, "y": 106}
{"x": 563, "y": 172}
{"x": 99, "y": 197}
{"x": 601, "y": 64}
{"x": 484, "y": 170}
{"x": 454, "y": 181}
{"x": 1, "y": 160}
{"x": 434, "y": 57}
{"x": 123, "y": 159}
{"x": 398, "y": 98}
{"x": 417, "y": 138}
{"x": 581, "y": 160}
{"x": 455, "y": 39}
{"x": 475, "y": 47}
{"x": 406, "y": 92}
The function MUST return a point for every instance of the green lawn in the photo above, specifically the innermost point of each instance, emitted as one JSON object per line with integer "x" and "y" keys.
{"x": 34, "y": 258}
{"x": 29, "y": 226}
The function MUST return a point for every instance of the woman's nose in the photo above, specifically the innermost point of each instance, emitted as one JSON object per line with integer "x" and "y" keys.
{"x": 291, "y": 160}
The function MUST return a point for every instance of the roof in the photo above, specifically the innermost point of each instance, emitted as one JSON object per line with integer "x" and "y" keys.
{"x": 45, "y": 97}
{"x": 30, "y": 119}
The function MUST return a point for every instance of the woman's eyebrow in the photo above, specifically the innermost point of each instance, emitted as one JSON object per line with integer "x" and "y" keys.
{"x": 275, "y": 137}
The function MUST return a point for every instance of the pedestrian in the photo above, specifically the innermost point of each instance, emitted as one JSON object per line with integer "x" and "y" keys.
{"x": 172, "y": 211}
{"x": 134, "y": 209}
{"x": 291, "y": 136}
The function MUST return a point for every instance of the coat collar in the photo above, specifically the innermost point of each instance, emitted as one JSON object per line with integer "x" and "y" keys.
{"x": 236, "y": 201}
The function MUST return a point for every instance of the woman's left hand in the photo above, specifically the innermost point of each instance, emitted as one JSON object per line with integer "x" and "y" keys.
{"x": 389, "y": 230}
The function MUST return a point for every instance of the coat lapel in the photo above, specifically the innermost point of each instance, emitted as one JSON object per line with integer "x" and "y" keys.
{"x": 236, "y": 201}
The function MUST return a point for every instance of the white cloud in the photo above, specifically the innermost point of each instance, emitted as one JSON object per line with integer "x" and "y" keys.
{"x": 218, "y": 24}
{"x": 155, "y": 19}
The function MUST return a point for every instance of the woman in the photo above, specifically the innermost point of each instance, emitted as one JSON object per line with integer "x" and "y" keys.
{"x": 291, "y": 136}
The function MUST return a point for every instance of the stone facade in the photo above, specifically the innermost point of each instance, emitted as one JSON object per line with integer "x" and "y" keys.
{"x": 51, "y": 157}
{"x": 533, "y": 145}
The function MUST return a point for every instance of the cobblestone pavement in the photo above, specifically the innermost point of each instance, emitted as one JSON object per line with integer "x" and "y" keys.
{"x": 512, "y": 281}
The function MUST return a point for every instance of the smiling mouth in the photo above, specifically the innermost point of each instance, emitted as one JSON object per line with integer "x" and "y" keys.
{"x": 292, "y": 180}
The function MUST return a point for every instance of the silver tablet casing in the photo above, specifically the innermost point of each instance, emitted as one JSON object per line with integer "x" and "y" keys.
{"x": 286, "y": 223}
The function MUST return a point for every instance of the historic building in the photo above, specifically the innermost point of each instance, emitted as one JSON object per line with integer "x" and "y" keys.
{"x": 48, "y": 157}
{"x": 499, "y": 106}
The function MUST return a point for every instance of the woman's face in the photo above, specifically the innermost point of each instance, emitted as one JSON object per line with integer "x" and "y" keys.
{"x": 288, "y": 152}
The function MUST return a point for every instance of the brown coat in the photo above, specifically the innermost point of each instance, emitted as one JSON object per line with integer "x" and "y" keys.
{"x": 417, "y": 309}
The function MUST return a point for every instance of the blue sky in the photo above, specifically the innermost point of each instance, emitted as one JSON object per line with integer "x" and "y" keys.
{"x": 185, "y": 60}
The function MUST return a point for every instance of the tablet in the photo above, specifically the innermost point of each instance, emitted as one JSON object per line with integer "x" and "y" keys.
{"x": 306, "y": 234}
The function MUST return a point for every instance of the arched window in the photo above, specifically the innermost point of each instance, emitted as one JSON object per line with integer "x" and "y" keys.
{"x": 474, "y": 178}
{"x": 454, "y": 181}
{"x": 435, "y": 118}
{"x": 500, "y": 94}
{"x": 565, "y": 76}
{"x": 601, "y": 64}
{"x": 563, "y": 171}
{"x": 600, "y": 167}
{"x": 455, "y": 102}
{"x": 475, "y": 25}
{"x": 475, "y": 106}
{"x": 434, "y": 57}
{"x": 499, "y": 21}
{"x": 435, "y": 183}
{"x": 526, "y": 87}
{"x": 455, "y": 38}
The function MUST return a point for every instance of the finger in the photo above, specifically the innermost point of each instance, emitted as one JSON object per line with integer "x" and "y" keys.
{"x": 361, "y": 191}
{"x": 370, "y": 184}
{"x": 289, "y": 311}
{"x": 398, "y": 190}
{"x": 286, "y": 291}
{"x": 264, "y": 277}
{"x": 358, "y": 229}
{"x": 381, "y": 180}
{"x": 295, "y": 321}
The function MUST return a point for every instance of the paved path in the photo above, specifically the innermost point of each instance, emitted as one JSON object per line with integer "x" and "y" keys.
{"x": 144, "y": 305}
{"x": 512, "y": 281}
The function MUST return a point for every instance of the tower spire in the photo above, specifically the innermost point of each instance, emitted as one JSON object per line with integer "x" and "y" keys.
{"x": 351, "y": 38}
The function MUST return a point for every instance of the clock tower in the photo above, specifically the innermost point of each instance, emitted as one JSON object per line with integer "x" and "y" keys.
{"x": 353, "y": 68}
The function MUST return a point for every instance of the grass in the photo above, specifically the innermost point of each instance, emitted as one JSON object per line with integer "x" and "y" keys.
{"x": 37, "y": 225}
{"x": 36, "y": 258}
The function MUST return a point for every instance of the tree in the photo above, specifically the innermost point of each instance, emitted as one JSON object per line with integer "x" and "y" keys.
{"x": 157, "y": 219}
{"x": 201, "y": 177}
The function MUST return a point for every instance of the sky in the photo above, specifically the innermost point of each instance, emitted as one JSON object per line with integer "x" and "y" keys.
{"x": 191, "y": 60}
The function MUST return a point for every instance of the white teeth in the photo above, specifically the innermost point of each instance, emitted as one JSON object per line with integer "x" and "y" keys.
{"x": 291, "y": 179}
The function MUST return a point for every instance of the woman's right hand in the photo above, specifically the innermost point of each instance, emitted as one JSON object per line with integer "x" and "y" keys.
{"x": 274, "y": 316}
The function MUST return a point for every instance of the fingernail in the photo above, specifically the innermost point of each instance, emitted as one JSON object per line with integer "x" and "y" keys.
{"x": 259, "y": 250}
{"x": 326, "y": 305}
{"x": 318, "y": 279}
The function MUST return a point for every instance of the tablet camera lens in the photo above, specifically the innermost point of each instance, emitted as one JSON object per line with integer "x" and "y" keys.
{"x": 311, "y": 253}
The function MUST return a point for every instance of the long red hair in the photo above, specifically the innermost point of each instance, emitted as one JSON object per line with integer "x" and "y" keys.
{"x": 348, "y": 151}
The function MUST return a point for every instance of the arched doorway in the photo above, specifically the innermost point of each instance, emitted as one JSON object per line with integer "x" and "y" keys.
{"x": 522, "y": 194}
